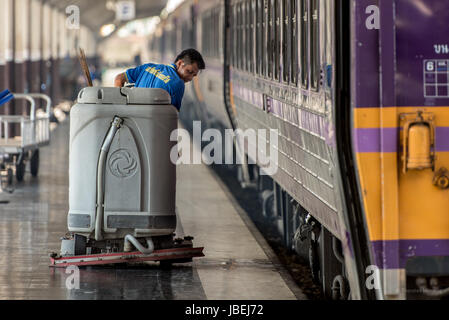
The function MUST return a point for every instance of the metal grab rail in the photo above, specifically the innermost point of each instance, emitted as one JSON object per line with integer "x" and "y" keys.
{"x": 43, "y": 97}
{"x": 32, "y": 102}
{"x": 33, "y": 130}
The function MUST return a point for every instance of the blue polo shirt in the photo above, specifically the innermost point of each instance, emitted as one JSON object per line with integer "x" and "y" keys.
{"x": 162, "y": 76}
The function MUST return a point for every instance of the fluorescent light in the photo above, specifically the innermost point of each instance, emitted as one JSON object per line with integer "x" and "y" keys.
{"x": 172, "y": 5}
{"x": 107, "y": 29}
{"x": 141, "y": 27}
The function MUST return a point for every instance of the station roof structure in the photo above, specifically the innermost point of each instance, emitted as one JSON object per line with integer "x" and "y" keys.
{"x": 96, "y": 13}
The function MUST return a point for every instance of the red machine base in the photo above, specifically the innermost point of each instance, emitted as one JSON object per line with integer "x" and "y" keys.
{"x": 167, "y": 255}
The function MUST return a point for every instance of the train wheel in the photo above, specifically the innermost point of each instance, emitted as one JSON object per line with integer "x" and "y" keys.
{"x": 10, "y": 177}
{"x": 34, "y": 163}
{"x": 20, "y": 170}
{"x": 314, "y": 261}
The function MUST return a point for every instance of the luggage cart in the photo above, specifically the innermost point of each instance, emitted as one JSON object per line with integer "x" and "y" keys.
{"x": 34, "y": 133}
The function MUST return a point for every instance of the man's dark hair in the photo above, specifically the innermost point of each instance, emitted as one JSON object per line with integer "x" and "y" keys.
{"x": 190, "y": 56}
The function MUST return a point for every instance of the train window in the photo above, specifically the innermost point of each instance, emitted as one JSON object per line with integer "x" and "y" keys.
{"x": 216, "y": 36}
{"x": 249, "y": 31}
{"x": 193, "y": 23}
{"x": 247, "y": 36}
{"x": 162, "y": 44}
{"x": 204, "y": 35}
{"x": 207, "y": 35}
{"x": 270, "y": 40}
{"x": 234, "y": 37}
{"x": 259, "y": 30}
{"x": 286, "y": 40}
{"x": 184, "y": 35}
{"x": 304, "y": 43}
{"x": 239, "y": 36}
{"x": 167, "y": 42}
{"x": 242, "y": 36}
{"x": 220, "y": 14}
{"x": 264, "y": 37}
{"x": 220, "y": 34}
{"x": 212, "y": 34}
{"x": 277, "y": 38}
{"x": 314, "y": 44}
{"x": 294, "y": 46}
{"x": 217, "y": 33}
{"x": 173, "y": 44}
{"x": 251, "y": 35}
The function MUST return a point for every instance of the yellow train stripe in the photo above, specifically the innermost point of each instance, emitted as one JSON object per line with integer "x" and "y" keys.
{"x": 370, "y": 117}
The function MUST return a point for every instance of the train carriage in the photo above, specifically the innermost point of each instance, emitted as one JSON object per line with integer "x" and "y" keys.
{"x": 358, "y": 92}
{"x": 399, "y": 102}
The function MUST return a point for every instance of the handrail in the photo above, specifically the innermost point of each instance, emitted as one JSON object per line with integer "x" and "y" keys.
{"x": 43, "y": 97}
{"x": 32, "y": 102}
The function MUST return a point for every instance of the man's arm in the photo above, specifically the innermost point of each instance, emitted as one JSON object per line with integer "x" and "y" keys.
{"x": 120, "y": 80}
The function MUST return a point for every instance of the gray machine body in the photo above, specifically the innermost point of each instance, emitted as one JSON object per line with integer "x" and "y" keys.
{"x": 139, "y": 176}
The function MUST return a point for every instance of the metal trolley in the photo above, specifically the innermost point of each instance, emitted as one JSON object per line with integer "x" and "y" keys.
{"x": 34, "y": 133}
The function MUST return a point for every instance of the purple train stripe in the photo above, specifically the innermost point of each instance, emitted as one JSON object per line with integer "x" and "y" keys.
{"x": 369, "y": 140}
{"x": 442, "y": 139}
{"x": 393, "y": 254}
{"x": 253, "y": 97}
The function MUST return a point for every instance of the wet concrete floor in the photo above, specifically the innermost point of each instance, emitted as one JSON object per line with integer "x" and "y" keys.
{"x": 34, "y": 220}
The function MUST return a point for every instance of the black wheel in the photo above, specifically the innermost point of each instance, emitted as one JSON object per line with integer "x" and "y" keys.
{"x": 20, "y": 171}
{"x": 10, "y": 177}
{"x": 34, "y": 163}
{"x": 314, "y": 262}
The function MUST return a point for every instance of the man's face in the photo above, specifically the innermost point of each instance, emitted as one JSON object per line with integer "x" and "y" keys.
{"x": 187, "y": 71}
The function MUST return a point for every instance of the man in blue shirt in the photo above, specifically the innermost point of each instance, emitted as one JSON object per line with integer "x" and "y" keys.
{"x": 170, "y": 77}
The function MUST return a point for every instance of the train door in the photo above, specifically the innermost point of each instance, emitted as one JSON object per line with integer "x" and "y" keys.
{"x": 193, "y": 25}
{"x": 401, "y": 125}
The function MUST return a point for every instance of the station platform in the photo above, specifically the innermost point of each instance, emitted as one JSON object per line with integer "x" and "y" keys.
{"x": 238, "y": 263}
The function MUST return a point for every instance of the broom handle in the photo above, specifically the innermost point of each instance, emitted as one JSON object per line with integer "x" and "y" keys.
{"x": 85, "y": 67}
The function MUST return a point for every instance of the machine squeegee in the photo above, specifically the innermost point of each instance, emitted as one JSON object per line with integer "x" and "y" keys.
{"x": 165, "y": 256}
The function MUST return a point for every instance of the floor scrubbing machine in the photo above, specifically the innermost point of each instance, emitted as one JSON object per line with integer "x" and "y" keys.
{"x": 122, "y": 182}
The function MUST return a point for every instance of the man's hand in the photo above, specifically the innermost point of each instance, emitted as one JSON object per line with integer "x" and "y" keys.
{"x": 120, "y": 80}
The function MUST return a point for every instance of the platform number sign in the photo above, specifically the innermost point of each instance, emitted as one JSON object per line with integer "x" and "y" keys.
{"x": 125, "y": 10}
